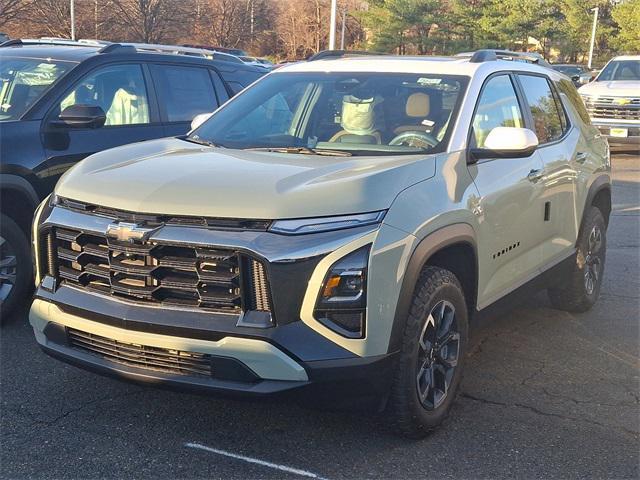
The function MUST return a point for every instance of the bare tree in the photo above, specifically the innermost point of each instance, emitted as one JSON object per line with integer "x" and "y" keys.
{"x": 11, "y": 9}
{"x": 150, "y": 21}
{"x": 51, "y": 17}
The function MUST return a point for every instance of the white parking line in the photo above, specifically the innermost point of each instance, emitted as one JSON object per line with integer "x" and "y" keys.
{"x": 257, "y": 461}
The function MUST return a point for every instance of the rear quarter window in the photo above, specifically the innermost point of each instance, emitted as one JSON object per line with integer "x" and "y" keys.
{"x": 570, "y": 94}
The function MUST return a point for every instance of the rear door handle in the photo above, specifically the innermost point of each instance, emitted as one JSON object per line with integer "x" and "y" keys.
{"x": 535, "y": 175}
{"x": 581, "y": 157}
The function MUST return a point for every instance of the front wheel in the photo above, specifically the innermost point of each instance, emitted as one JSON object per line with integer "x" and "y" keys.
{"x": 579, "y": 291}
{"x": 432, "y": 354}
{"x": 15, "y": 266}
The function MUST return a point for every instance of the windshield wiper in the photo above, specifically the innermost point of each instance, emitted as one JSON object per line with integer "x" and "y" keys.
{"x": 304, "y": 150}
{"x": 202, "y": 141}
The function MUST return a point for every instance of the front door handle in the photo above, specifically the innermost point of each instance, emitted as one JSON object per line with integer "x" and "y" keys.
{"x": 581, "y": 157}
{"x": 535, "y": 175}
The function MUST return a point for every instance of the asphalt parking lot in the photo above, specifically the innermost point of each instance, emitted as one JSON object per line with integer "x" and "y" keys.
{"x": 545, "y": 394}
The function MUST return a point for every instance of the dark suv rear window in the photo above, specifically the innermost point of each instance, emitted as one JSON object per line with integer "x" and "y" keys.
{"x": 184, "y": 92}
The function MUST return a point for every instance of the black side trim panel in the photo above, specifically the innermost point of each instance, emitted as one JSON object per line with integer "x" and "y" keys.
{"x": 546, "y": 279}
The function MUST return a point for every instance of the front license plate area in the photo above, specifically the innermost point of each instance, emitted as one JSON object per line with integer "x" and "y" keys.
{"x": 619, "y": 132}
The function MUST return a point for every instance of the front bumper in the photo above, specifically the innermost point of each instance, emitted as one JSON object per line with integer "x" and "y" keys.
{"x": 287, "y": 358}
{"x": 130, "y": 338}
{"x": 605, "y": 126}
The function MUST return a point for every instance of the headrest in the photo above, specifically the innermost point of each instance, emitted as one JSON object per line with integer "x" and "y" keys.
{"x": 418, "y": 105}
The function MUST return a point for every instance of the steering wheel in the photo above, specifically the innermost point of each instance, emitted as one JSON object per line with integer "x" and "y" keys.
{"x": 415, "y": 139}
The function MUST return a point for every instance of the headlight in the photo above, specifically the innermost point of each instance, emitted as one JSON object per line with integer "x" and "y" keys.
{"x": 342, "y": 301}
{"x": 325, "y": 224}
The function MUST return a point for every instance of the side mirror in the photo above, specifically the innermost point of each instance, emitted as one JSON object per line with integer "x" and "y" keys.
{"x": 199, "y": 120}
{"x": 507, "y": 142}
{"x": 81, "y": 116}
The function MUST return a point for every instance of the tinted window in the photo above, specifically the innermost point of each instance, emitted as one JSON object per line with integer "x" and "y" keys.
{"x": 544, "y": 109}
{"x": 498, "y": 107}
{"x": 569, "y": 69}
{"x": 119, "y": 90}
{"x": 567, "y": 88}
{"x": 184, "y": 92}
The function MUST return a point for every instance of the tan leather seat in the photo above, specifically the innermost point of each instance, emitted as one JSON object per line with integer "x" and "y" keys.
{"x": 419, "y": 107}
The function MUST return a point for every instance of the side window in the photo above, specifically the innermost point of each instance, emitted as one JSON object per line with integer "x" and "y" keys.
{"x": 498, "y": 107}
{"x": 118, "y": 89}
{"x": 544, "y": 109}
{"x": 184, "y": 92}
{"x": 569, "y": 90}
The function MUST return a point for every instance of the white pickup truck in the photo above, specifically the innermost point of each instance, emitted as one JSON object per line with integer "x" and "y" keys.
{"x": 613, "y": 101}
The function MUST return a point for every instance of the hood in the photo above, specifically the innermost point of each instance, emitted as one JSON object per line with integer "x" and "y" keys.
{"x": 174, "y": 177}
{"x": 616, "y": 88}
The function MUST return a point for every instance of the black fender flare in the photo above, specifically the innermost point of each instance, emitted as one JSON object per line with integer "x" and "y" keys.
{"x": 458, "y": 233}
{"x": 9, "y": 181}
{"x": 601, "y": 183}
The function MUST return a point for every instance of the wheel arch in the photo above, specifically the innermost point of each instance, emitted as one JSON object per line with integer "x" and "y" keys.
{"x": 452, "y": 247}
{"x": 599, "y": 195}
{"x": 18, "y": 200}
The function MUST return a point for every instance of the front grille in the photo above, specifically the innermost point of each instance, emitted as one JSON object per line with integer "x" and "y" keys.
{"x": 157, "y": 273}
{"x": 610, "y": 107}
{"x": 141, "y": 356}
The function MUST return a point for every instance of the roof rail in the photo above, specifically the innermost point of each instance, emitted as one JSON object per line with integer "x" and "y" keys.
{"x": 324, "y": 54}
{"x": 483, "y": 56}
{"x": 487, "y": 55}
{"x": 9, "y": 43}
{"x": 181, "y": 50}
{"x": 111, "y": 47}
{"x": 51, "y": 41}
{"x": 117, "y": 48}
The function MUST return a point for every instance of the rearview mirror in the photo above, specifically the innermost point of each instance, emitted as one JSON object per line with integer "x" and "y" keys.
{"x": 199, "y": 120}
{"x": 82, "y": 116}
{"x": 507, "y": 142}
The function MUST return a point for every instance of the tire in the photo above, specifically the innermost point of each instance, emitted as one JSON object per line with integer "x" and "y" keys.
{"x": 16, "y": 269}
{"x": 414, "y": 408}
{"x": 583, "y": 283}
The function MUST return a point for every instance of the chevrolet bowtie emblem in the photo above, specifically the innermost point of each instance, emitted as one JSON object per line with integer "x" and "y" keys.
{"x": 622, "y": 101}
{"x": 129, "y": 232}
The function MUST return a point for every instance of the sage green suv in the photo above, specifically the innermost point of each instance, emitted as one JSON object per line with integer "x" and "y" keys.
{"x": 333, "y": 230}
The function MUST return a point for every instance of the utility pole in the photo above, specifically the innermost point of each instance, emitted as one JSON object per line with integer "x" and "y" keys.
{"x": 593, "y": 34}
{"x": 95, "y": 17}
{"x": 344, "y": 19}
{"x": 73, "y": 20}
{"x": 332, "y": 27}
{"x": 252, "y": 21}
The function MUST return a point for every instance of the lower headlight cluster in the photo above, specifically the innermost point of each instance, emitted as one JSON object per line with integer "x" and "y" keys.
{"x": 342, "y": 302}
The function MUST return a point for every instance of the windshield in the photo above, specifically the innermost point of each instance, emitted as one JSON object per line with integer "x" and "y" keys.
{"x": 358, "y": 113}
{"x": 569, "y": 69}
{"x": 23, "y": 81}
{"x": 620, "y": 70}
